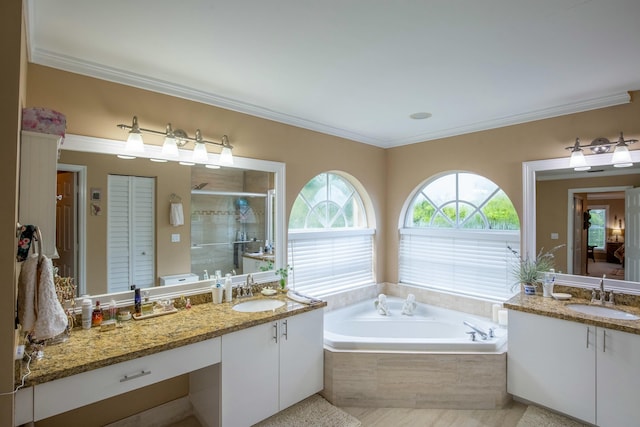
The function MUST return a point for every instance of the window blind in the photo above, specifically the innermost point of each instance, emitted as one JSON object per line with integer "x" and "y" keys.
{"x": 328, "y": 262}
{"x": 472, "y": 263}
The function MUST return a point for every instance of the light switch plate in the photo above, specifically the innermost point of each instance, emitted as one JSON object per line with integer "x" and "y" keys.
{"x": 175, "y": 238}
{"x": 554, "y": 236}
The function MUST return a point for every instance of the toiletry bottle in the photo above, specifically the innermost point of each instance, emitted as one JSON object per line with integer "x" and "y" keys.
{"x": 86, "y": 313}
{"x": 228, "y": 288}
{"x": 205, "y": 275}
{"x": 96, "y": 316}
{"x": 137, "y": 300}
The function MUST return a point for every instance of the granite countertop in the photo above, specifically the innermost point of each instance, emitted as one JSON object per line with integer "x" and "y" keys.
{"x": 259, "y": 256}
{"x": 90, "y": 349}
{"x": 551, "y": 307}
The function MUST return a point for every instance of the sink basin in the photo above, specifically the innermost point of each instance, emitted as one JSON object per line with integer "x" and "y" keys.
{"x": 595, "y": 310}
{"x": 258, "y": 305}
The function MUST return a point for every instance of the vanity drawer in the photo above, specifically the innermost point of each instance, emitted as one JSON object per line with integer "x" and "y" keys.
{"x": 62, "y": 395}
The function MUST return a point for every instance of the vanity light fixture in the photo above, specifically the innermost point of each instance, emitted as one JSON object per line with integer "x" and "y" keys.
{"x": 620, "y": 159}
{"x": 175, "y": 139}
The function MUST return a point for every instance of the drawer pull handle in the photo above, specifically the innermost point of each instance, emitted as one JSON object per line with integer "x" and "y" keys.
{"x": 134, "y": 376}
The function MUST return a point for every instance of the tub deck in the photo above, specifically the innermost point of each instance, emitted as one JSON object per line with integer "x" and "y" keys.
{"x": 445, "y": 372}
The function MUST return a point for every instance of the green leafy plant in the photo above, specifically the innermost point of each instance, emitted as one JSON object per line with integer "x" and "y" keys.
{"x": 530, "y": 271}
{"x": 283, "y": 272}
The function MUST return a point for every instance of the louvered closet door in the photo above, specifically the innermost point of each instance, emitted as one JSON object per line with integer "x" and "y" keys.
{"x": 131, "y": 232}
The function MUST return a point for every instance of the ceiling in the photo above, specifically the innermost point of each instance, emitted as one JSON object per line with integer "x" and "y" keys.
{"x": 359, "y": 68}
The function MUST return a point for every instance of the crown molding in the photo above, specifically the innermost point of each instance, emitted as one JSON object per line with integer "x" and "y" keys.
{"x": 103, "y": 72}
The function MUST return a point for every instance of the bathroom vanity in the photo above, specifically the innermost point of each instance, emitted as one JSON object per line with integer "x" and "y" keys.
{"x": 578, "y": 364}
{"x": 275, "y": 356}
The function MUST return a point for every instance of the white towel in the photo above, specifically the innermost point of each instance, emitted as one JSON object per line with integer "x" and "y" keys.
{"x": 27, "y": 293}
{"x": 176, "y": 217}
{"x": 51, "y": 320}
{"x": 39, "y": 310}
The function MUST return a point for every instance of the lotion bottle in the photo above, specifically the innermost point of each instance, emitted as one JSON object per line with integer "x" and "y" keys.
{"x": 228, "y": 288}
{"x": 86, "y": 313}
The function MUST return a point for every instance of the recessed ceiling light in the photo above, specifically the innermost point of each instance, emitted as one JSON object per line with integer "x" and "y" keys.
{"x": 420, "y": 116}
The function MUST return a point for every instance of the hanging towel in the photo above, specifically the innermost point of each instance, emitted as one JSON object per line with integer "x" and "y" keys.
{"x": 176, "y": 216}
{"x": 39, "y": 310}
{"x": 51, "y": 320}
{"x": 27, "y": 293}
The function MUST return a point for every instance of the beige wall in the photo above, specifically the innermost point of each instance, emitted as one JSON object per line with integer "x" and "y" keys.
{"x": 13, "y": 90}
{"x": 171, "y": 258}
{"x": 497, "y": 154}
{"x": 94, "y": 107}
{"x": 552, "y": 209}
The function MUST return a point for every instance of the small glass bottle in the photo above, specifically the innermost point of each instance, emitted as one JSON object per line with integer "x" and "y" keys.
{"x": 96, "y": 316}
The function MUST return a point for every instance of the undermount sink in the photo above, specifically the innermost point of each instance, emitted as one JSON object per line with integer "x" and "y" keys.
{"x": 596, "y": 310}
{"x": 258, "y": 305}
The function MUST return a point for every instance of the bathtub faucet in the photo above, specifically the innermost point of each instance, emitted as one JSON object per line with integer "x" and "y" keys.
{"x": 478, "y": 331}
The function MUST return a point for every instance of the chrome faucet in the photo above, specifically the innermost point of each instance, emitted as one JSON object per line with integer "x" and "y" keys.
{"x": 603, "y": 295}
{"x": 246, "y": 290}
{"x": 478, "y": 331}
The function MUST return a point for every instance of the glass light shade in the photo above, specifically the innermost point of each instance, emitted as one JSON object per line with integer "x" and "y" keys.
{"x": 621, "y": 157}
{"x": 226, "y": 157}
{"x": 170, "y": 148}
{"x": 578, "y": 162}
{"x": 134, "y": 143}
{"x": 200, "y": 153}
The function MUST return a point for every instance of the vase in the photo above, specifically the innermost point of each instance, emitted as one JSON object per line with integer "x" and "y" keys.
{"x": 529, "y": 288}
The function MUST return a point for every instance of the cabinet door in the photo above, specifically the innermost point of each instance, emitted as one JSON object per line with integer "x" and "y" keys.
{"x": 301, "y": 357}
{"x": 249, "y": 375}
{"x": 37, "y": 205}
{"x": 552, "y": 362}
{"x": 618, "y": 378}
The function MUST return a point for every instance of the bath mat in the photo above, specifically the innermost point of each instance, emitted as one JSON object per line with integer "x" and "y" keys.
{"x": 538, "y": 417}
{"x": 314, "y": 411}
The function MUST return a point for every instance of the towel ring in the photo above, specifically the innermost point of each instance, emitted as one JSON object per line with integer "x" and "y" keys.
{"x": 174, "y": 198}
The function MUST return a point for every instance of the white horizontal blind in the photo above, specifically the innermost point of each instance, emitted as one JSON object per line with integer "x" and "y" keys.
{"x": 473, "y": 263}
{"x": 328, "y": 262}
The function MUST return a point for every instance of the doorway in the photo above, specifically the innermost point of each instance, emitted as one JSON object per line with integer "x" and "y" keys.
{"x": 70, "y": 224}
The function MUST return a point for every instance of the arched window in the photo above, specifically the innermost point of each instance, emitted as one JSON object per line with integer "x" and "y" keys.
{"x": 330, "y": 244}
{"x": 455, "y": 234}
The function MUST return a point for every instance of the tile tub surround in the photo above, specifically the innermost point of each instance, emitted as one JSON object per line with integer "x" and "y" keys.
{"x": 536, "y": 304}
{"x": 416, "y": 380}
{"x": 91, "y": 349}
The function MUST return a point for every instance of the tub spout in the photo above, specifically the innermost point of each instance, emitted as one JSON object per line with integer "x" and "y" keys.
{"x": 479, "y": 331}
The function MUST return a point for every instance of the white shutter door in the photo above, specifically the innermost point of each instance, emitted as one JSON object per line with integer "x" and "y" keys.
{"x": 118, "y": 232}
{"x": 143, "y": 226}
{"x": 130, "y": 232}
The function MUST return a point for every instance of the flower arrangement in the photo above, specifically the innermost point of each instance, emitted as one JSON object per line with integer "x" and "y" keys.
{"x": 530, "y": 271}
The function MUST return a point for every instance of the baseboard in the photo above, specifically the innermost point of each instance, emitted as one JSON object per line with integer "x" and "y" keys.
{"x": 158, "y": 416}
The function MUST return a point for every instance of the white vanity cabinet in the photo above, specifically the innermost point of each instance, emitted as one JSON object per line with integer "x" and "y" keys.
{"x": 552, "y": 362}
{"x": 618, "y": 376}
{"x": 590, "y": 373}
{"x": 269, "y": 367}
{"x": 52, "y": 397}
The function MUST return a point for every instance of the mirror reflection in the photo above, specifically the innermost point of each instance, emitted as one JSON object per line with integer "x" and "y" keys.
{"x": 228, "y": 221}
{"x": 586, "y": 211}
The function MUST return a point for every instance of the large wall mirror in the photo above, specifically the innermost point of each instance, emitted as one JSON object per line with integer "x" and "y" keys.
{"x": 154, "y": 223}
{"x": 593, "y": 213}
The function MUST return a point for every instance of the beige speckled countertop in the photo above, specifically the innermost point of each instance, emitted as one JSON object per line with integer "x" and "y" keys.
{"x": 91, "y": 349}
{"x": 553, "y": 308}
